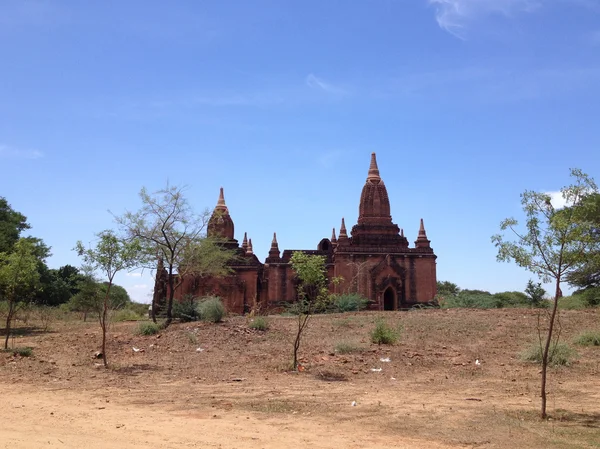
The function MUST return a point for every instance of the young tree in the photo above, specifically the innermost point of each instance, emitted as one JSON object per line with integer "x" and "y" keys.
{"x": 169, "y": 230}
{"x": 88, "y": 298}
{"x": 12, "y": 223}
{"x": 535, "y": 292}
{"x": 551, "y": 245}
{"x": 19, "y": 279}
{"x": 312, "y": 291}
{"x": 110, "y": 255}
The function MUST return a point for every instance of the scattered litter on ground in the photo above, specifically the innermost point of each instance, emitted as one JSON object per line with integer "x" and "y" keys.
{"x": 376, "y": 370}
{"x": 199, "y": 349}
{"x": 353, "y": 404}
{"x": 387, "y": 359}
{"x": 392, "y": 378}
{"x": 137, "y": 349}
{"x": 477, "y": 362}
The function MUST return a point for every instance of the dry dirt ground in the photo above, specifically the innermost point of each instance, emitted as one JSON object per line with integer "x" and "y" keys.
{"x": 236, "y": 392}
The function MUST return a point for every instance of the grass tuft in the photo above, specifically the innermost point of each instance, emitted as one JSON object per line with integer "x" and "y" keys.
{"x": 589, "y": 338}
{"x": 346, "y": 347}
{"x": 148, "y": 329}
{"x": 384, "y": 334}
{"x": 559, "y": 355}
{"x": 259, "y": 323}
{"x": 211, "y": 309}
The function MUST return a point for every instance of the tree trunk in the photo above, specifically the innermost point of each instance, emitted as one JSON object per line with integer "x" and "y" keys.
{"x": 104, "y": 310}
{"x": 9, "y": 317}
{"x": 547, "y": 349}
{"x": 170, "y": 299}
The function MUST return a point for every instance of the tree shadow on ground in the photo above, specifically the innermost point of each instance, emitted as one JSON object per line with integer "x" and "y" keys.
{"x": 26, "y": 331}
{"x": 581, "y": 419}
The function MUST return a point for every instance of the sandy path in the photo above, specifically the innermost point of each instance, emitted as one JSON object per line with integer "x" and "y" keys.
{"x": 32, "y": 417}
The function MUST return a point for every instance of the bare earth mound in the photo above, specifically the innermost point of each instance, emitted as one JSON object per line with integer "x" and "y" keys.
{"x": 225, "y": 385}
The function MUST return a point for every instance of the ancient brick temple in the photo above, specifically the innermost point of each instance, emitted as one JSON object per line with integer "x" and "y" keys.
{"x": 375, "y": 261}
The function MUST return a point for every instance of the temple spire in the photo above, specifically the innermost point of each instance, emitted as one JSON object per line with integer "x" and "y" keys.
{"x": 373, "y": 169}
{"x": 422, "y": 241}
{"x": 249, "y": 251}
{"x": 245, "y": 242}
{"x": 274, "y": 251}
{"x": 221, "y": 202}
{"x": 343, "y": 233}
{"x": 274, "y": 243}
{"x": 333, "y": 237}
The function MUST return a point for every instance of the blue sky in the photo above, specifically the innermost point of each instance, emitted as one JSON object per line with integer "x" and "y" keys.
{"x": 466, "y": 102}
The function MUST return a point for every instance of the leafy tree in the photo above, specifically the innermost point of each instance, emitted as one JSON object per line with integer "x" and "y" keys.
{"x": 19, "y": 278}
{"x": 587, "y": 274}
{"x": 110, "y": 255}
{"x": 552, "y": 245}
{"x": 447, "y": 289}
{"x": 12, "y": 223}
{"x": 88, "y": 298}
{"x": 170, "y": 231}
{"x": 312, "y": 291}
{"x": 534, "y": 292}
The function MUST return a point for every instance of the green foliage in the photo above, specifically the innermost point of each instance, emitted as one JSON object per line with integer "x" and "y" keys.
{"x": 349, "y": 302}
{"x": 211, "y": 309}
{"x": 588, "y": 338}
{"x": 384, "y": 334}
{"x": 346, "y": 347}
{"x": 186, "y": 310}
{"x": 447, "y": 289}
{"x": 573, "y": 302}
{"x": 511, "y": 299}
{"x": 468, "y": 300}
{"x": 259, "y": 323}
{"x": 23, "y": 351}
{"x": 560, "y": 354}
{"x": 12, "y": 223}
{"x": 590, "y": 296}
{"x": 148, "y": 329}
{"x": 126, "y": 315}
{"x": 534, "y": 292}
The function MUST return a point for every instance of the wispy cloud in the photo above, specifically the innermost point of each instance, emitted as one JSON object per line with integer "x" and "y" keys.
{"x": 11, "y": 152}
{"x": 140, "y": 286}
{"x": 317, "y": 83}
{"x": 557, "y": 199}
{"x": 455, "y": 16}
{"x": 134, "y": 275}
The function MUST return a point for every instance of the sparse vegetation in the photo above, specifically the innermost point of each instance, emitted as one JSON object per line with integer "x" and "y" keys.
{"x": 384, "y": 334}
{"x": 211, "y": 309}
{"x": 126, "y": 315}
{"x": 588, "y": 338}
{"x": 259, "y": 323}
{"x": 23, "y": 352}
{"x": 347, "y": 347}
{"x": 148, "y": 329}
{"x": 349, "y": 302}
{"x": 186, "y": 310}
{"x": 560, "y": 354}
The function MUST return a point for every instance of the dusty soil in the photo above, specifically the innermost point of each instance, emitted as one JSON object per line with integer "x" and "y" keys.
{"x": 236, "y": 393}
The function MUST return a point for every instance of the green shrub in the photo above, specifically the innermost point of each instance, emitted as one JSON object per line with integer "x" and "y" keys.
{"x": 148, "y": 329}
{"x": 126, "y": 315}
{"x": 470, "y": 301}
{"x": 590, "y": 296}
{"x": 211, "y": 309}
{"x": 350, "y": 302}
{"x": 140, "y": 308}
{"x": 384, "y": 334}
{"x": 560, "y": 354}
{"x": 589, "y": 338}
{"x": 511, "y": 299}
{"x": 25, "y": 351}
{"x": 259, "y": 323}
{"x": 346, "y": 347}
{"x": 574, "y": 302}
{"x": 186, "y": 310}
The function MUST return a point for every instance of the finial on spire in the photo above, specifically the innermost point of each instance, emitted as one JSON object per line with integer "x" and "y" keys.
{"x": 274, "y": 242}
{"x": 373, "y": 169}
{"x": 249, "y": 250}
{"x": 333, "y": 237}
{"x": 221, "y": 202}
{"x": 402, "y": 232}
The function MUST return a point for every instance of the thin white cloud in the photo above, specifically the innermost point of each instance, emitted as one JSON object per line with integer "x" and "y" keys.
{"x": 455, "y": 16}
{"x": 140, "y": 286}
{"x": 10, "y": 152}
{"x": 134, "y": 275}
{"x": 557, "y": 200}
{"x": 317, "y": 83}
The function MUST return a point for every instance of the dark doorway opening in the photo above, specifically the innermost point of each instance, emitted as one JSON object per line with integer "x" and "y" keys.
{"x": 389, "y": 298}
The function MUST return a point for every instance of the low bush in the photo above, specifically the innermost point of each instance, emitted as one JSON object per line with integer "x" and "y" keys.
{"x": 25, "y": 351}
{"x": 384, "y": 334}
{"x": 126, "y": 315}
{"x": 350, "y": 302}
{"x": 346, "y": 347}
{"x": 574, "y": 302}
{"x": 211, "y": 309}
{"x": 590, "y": 296}
{"x": 259, "y": 323}
{"x": 186, "y": 310}
{"x": 560, "y": 354}
{"x": 148, "y": 329}
{"x": 589, "y": 338}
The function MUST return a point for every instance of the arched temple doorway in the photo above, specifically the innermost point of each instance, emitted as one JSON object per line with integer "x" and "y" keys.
{"x": 389, "y": 299}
